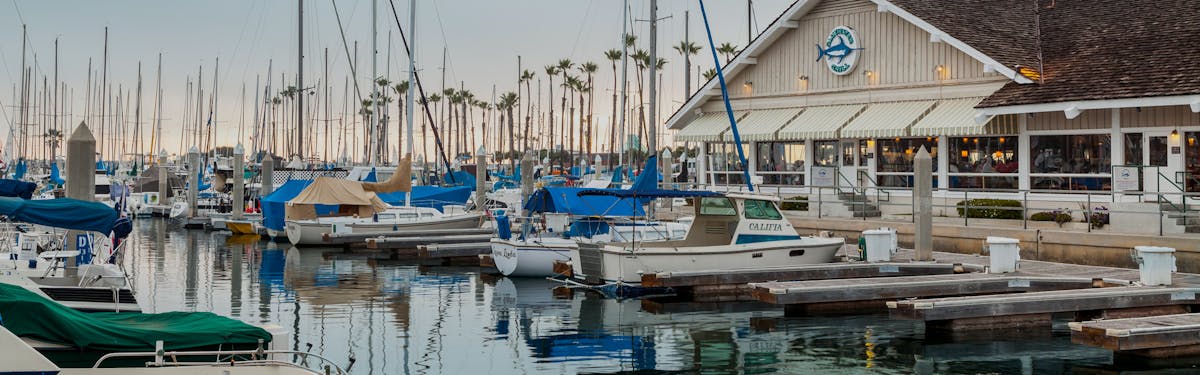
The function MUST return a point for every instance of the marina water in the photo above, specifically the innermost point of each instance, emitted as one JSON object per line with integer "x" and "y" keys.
{"x": 395, "y": 317}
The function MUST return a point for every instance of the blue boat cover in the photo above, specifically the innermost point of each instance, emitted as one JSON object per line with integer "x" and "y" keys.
{"x": 567, "y": 200}
{"x": 19, "y": 170}
{"x": 646, "y": 186}
{"x": 17, "y": 189}
{"x": 371, "y": 176}
{"x": 429, "y": 196}
{"x": 55, "y": 175}
{"x": 461, "y": 178}
{"x": 61, "y": 213}
{"x": 273, "y": 205}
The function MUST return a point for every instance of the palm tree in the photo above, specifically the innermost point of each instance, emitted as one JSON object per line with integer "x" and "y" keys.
{"x": 466, "y": 98}
{"x": 483, "y": 109}
{"x": 728, "y": 50}
{"x": 564, "y": 67}
{"x": 507, "y": 101}
{"x": 365, "y": 111}
{"x": 642, "y": 61}
{"x": 551, "y": 71}
{"x": 436, "y": 100}
{"x": 573, "y": 85}
{"x": 401, "y": 90}
{"x": 588, "y": 68}
{"x": 527, "y": 77}
{"x": 709, "y": 74}
{"x": 687, "y": 49}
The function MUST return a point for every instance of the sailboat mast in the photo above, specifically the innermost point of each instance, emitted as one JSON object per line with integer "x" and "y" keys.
{"x": 624, "y": 79}
{"x": 212, "y": 117}
{"x": 54, "y": 120}
{"x": 137, "y": 116}
{"x": 412, "y": 87}
{"x": 300, "y": 75}
{"x": 374, "y": 87}
{"x": 156, "y": 135}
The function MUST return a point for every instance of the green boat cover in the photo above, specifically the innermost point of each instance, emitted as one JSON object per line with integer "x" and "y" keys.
{"x": 28, "y": 314}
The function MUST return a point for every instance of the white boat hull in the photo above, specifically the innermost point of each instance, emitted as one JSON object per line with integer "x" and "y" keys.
{"x": 464, "y": 221}
{"x": 619, "y": 263}
{"x": 533, "y": 258}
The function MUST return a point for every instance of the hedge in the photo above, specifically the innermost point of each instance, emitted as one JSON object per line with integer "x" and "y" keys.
{"x": 990, "y": 209}
{"x": 1056, "y": 216}
{"x": 797, "y": 203}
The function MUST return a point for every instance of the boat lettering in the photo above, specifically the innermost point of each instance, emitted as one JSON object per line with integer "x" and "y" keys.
{"x": 766, "y": 227}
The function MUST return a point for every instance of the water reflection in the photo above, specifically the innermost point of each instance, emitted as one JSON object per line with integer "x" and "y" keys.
{"x": 400, "y": 318}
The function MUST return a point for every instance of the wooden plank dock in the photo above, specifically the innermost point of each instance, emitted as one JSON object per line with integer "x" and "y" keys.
{"x": 1154, "y": 337}
{"x": 892, "y": 288}
{"x": 804, "y": 272}
{"x": 413, "y": 242}
{"x": 999, "y": 311}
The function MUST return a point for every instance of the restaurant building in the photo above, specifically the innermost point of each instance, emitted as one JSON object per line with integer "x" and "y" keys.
{"x": 1044, "y": 96}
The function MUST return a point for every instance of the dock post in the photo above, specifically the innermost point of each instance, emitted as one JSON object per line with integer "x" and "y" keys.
{"x": 480, "y": 179}
{"x": 81, "y": 180}
{"x": 923, "y": 195}
{"x": 268, "y": 173}
{"x": 193, "y": 164}
{"x": 239, "y": 183}
{"x": 164, "y": 178}
{"x": 664, "y": 167}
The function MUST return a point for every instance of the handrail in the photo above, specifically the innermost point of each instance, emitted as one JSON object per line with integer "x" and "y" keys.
{"x": 255, "y": 354}
{"x": 1183, "y": 197}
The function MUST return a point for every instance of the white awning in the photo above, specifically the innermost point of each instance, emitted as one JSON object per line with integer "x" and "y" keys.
{"x": 820, "y": 122}
{"x": 956, "y": 117}
{"x": 707, "y": 128}
{"x": 761, "y": 125}
{"x": 886, "y": 120}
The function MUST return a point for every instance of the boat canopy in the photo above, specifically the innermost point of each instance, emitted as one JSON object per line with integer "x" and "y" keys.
{"x": 646, "y": 186}
{"x": 348, "y": 195}
{"x": 568, "y": 200}
{"x": 30, "y": 315}
{"x": 17, "y": 189}
{"x": 65, "y": 213}
{"x": 274, "y": 205}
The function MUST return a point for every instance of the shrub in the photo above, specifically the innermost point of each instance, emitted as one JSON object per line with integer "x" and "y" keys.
{"x": 797, "y": 203}
{"x": 1057, "y": 216}
{"x": 990, "y": 208}
{"x": 1099, "y": 217}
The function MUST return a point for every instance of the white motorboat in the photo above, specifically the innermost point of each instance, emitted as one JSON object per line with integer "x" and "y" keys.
{"x": 312, "y": 231}
{"x": 730, "y": 232}
{"x": 535, "y": 255}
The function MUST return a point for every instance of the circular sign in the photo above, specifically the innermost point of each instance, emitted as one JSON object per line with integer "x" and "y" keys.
{"x": 840, "y": 50}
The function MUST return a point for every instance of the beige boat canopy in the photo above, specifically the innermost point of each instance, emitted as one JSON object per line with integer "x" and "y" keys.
{"x": 400, "y": 181}
{"x": 350, "y": 196}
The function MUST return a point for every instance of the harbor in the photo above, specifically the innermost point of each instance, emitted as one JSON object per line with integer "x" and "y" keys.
{"x": 630, "y": 187}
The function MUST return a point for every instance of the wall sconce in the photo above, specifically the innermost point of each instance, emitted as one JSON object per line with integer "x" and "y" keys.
{"x": 748, "y": 84}
{"x": 803, "y": 84}
{"x": 1174, "y": 133}
{"x": 963, "y": 153}
{"x": 871, "y": 144}
{"x": 942, "y": 72}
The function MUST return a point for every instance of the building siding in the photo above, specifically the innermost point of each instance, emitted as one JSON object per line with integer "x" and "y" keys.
{"x": 1159, "y": 116}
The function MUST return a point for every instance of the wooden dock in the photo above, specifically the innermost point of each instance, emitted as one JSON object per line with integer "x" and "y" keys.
{"x": 1035, "y": 308}
{"x": 882, "y": 289}
{"x": 1153, "y": 337}
{"x": 805, "y": 272}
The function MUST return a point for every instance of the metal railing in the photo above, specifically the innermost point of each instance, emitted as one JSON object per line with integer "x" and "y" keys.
{"x": 256, "y": 357}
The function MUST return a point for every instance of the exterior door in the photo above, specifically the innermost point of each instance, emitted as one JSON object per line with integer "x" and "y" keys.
{"x": 1159, "y": 175}
{"x": 848, "y": 163}
{"x": 1191, "y": 161}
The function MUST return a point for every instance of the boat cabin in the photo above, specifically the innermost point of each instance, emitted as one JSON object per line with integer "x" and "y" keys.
{"x": 733, "y": 219}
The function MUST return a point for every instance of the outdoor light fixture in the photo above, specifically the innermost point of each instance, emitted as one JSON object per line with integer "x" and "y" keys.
{"x": 1174, "y": 133}
{"x": 963, "y": 153}
{"x": 1072, "y": 112}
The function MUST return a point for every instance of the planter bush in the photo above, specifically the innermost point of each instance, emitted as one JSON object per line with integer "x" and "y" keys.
{"x": 990, "y": 209}
{"x": 797, "y": 203}
{"x": 1057, "y": 216}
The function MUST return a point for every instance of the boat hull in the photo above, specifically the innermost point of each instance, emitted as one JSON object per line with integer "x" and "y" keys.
{"x": 464, "y": 221}
{"x": 535, "y": 258}
{"x": 596, "y": 263}
{"x": 307, "y": 233}
{"x": 240, "y": 226}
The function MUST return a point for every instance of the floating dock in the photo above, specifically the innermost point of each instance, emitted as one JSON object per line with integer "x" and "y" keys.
{"x": 1152, "y": 337}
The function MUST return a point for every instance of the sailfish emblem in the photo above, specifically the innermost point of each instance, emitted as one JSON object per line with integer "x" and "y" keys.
{"x": 839, "y": 50}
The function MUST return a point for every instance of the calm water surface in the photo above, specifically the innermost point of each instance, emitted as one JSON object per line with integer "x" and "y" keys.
{"x": 398, "y": 318}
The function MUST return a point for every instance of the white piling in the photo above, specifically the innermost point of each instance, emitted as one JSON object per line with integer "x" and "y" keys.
{"x": 239, "y": 183}
{"x": 268, "y": 175}
{"x": 193, "y": 191}
{"x": 164, "y": 178}
{"x": 923, "y": 194}
{"x": 480, "y": 178}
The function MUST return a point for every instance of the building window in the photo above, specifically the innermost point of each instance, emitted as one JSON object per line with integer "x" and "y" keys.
{"x": 1158, "y": 151}
{"x": 781, "y": 163}
{"x": 863, "y": 152}
{"x": 825, "y": 153}
{"x": 1071, "y": 162}
{"x": 848, "y": 154}
{"x": 983, "y": 162}
{"x": 895, "y": 159}
{"x": 1133, "y": 149}
{"x": 724, "y": 165}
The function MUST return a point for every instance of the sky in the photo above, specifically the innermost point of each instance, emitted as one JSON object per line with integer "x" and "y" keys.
{"x": 481, "y": 39}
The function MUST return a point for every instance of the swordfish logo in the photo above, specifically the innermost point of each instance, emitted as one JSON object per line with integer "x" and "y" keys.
{"x": 840, "y": 50}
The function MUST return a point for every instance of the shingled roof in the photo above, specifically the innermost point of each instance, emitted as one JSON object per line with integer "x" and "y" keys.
{"x": 1090, "y": 50}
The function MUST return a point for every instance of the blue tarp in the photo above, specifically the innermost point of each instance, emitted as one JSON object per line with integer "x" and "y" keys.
{"x": 273, "y": 205}
{"x": 55, "y": 175}
{"x": 19, "y": 170}
{"x": 371, "y": 177}
{"x": 462, "y": 178}
{"x": 567, "y": 200}
{"x": 17, "y": 189}
{"x": 61, "y": 213}
{"x": 646, "y": 186}
{"x": 429, "y": 196}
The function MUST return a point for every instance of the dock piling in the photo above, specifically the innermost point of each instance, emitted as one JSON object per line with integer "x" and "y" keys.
{"x": 923, "y": 195}
{"x": 164, "y": 177}
{"x": 81, "y": 177}
{"x": 239, "y": 183}
{"x": 268, "y": 172}
{"x": 193, "y": 192}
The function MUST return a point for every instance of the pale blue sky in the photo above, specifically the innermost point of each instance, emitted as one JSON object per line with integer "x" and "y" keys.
{"x": 482, "y": 39}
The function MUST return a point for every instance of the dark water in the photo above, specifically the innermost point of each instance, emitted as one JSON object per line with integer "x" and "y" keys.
{"x": 401, "y": 318}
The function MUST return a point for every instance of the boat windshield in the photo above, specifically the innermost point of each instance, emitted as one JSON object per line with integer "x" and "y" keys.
{"x": 717, "y": 206}
{"x": 760, "y": 209}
